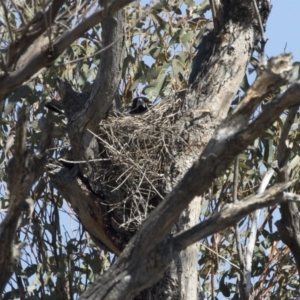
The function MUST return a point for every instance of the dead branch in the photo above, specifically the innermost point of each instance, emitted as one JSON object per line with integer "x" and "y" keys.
{"x": 233, "y": 213}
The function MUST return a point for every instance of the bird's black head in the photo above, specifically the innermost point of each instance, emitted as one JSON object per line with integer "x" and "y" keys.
{"x": 139, "y": 105}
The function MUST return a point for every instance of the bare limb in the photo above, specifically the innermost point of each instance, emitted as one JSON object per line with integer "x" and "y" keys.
{"x": 87, "y": 206}
{"x": 217, "y": 14}
{"x": 253, "y": 232}
{"x": 277, "y": 71}
{"x": 7, "y": 22}
{"x": 282, "y": 146}
{"x": 231, "y": 138}
{"x": 42, "y": 56}
{"x": 92, "y": 210}
{"x": 242, "y": 281}
{"x": 261, "y": 27}
{"x": 233, "y": 213}
{"x": 94, "y": 106}
{"x": 32, "y": 31}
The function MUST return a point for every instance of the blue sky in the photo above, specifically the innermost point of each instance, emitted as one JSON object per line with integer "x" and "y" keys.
{"x": 283, "y": 28}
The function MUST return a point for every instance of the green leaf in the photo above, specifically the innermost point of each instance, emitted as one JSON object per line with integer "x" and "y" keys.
{"x": 154, "y": 89}
{"x": 174, "y": 39}
{"x": 189, "y": 2}
{"x": 177, "y": 66}
{"x": 202, "y": 8}
{"x": 156, "y": 17}
{"x": 185, "y": 38}
{"x": 154, "y": 52}
{"x": 243, "y": 166}
{"x": 4, "y": 202}
{"x": 177, "y": 10}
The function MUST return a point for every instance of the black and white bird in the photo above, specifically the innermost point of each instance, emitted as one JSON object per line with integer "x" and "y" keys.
{"x": 55, "y": 106}
{"x": 139, "y": 105}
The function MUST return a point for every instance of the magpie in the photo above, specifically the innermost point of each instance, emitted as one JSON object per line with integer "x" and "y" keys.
{"x": 139, "y": 105}
{"x": 55, "y": 106}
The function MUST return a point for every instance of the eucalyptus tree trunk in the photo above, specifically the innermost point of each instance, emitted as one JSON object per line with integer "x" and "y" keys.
{"x": 218, "y": 70}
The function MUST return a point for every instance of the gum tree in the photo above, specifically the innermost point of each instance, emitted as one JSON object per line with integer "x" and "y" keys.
{"x": 166, "y": 203}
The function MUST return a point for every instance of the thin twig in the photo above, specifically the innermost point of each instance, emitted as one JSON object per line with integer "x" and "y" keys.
{"x": 127, "y": 158}
{"x": 263, "y": 39}
{"x": 237, "y": 229}
{"x": 233, "y": 213}
{"x": 83, "y": 161}
{"x": 253, "y": 232}
{"x": 222, "y": 257}
{"x": 110, "y": 45}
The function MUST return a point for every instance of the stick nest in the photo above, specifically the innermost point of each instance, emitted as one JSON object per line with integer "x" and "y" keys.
{"x": 138, "y": 152}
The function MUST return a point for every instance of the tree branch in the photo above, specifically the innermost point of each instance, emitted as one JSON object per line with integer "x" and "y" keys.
{"x": 241, "y": 258}
{"x": 95, "y": 107}
{"x": 43, "y": 54}
{"x": 229, "y": 140}
{"x": 253, "y": 232}
{"x": 84, "y": 112}
{"x": 31, "y": 32}
{"x": 233, "y": 213}
{"x": 87, "y": 206}
{"x": 217, "y": 15}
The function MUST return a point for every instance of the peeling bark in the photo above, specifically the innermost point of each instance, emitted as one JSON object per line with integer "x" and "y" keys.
{"x": 218, "y": 70}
